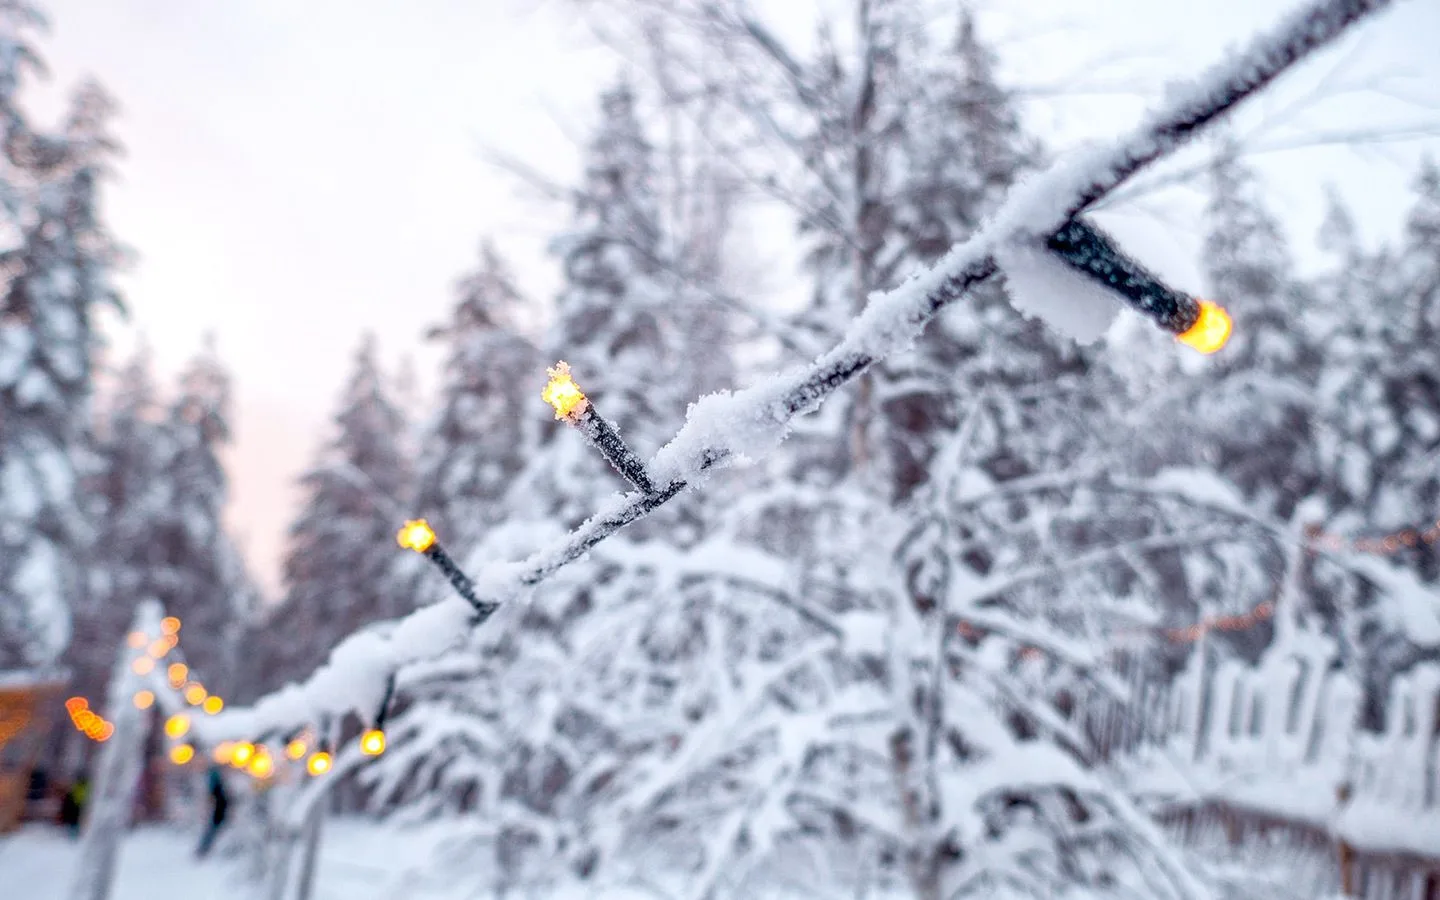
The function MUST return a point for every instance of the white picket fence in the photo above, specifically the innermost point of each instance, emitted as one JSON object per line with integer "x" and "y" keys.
{"x": 1250, "y": 761}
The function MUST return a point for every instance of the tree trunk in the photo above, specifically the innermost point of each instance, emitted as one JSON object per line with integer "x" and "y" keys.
{"x": 112, "y": 791}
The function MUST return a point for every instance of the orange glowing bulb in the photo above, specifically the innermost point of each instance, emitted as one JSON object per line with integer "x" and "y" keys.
{"x": 75, "y": 704}
{"x": 195, "y": 693}
{"x": 177, "y": 725}
{"x": 144, "y": 699}
{"x": 224, "y": 752}
{"x": 416, "y": 535}
{"x": 159, "y": 647}
{"x": 181, "y": 754}
{"x": 143, "y": 666}
{"x": 1211, "y": 329}
{"x": 169, "y": 625}
{"x": 104, "y": 733}
{"x": 562, "y": 393}
{"x": 372, "y": 742}
{"x": 261, "y": 765}
{"x": 212, "y": 705}
{"x": 318, "y": 763}
{"x": 295, "y": 749}
{"x": 177, "y": 673}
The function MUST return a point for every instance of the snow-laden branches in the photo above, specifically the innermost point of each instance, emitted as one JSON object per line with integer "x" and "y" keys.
{"x": 727, "y": 427}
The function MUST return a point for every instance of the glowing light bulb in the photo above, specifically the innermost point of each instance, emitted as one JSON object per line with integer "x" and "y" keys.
{"x": 416, "y": 535}
{"x": 159, "y": 647}
{"x": 144, "y": 699}
{"x": 318, "y": 763}
{"x": 242, "y": 753}
{"x": 195, "y": 693}
{"x": 177, "y": 673}
{"x": 212, "y": 705}
{"x": 372, "y": 742}
{"x": 169, "y": 625}
{"x": 261, "y": 766}
{"x": 295, "y": 749}
{"x": 224, "y": 752}
{"x": 143, "y": 666}
{"x": 181, "y": 754}
{"x": 177, "y": 725}
{"x": 562, "y": 393}
{"x": 1211, "y": 329}
{"x": 75, "y": 704}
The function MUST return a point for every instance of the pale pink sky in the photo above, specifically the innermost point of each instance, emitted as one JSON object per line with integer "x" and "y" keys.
{"x": 300, "y": 172}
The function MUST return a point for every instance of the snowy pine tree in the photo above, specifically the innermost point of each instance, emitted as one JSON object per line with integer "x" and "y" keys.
{"x": 1265, "y": 374}
{"x": 200, "y": 577}
{"x": 134, "y": 448}
{"x": 485, "y": 430}
{"x": 58, "y": 259}
{"x": 338, "y": 560}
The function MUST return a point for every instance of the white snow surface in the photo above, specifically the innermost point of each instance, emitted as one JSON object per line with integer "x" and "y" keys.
{"x": 359, "y": 860}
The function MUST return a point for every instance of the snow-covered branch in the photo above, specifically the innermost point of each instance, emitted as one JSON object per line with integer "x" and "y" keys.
{"x": 727, "y": 427}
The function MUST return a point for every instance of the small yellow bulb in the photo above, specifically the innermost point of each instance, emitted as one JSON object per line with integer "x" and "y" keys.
{"x": 562, "y": 393}
{"x": 144, "y": 699}
{"x": 177, "y": 673}
{"x": 181, "y": 754}
{"x": 318, "y": 763}
{"x": 295, "y": 749}
{"x": 1211, "y": 329}
{"x": 372, "y": 742}
{"x": 177, "y": 725}
{"x": 242, "y": 753}
{"x": 212, "y": 705}
{"x": 416, "y": 535}
{"x": 143, "y": 666}
{"x": 224, "y": 752}
{"x": 195, "y": 693}
{"x": 261, "y": 766}
{"x": 169, "y": 625}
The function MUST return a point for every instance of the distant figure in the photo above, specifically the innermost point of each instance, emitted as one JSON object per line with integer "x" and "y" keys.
{"x": 72, "y": 805}
{"x": 219, "y": 804}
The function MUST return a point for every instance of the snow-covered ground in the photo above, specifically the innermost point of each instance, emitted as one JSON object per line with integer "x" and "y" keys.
{"x": 359, "y": 861}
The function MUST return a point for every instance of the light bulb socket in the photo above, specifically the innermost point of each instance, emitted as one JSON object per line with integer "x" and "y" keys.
{"x": 1093, "y": 253}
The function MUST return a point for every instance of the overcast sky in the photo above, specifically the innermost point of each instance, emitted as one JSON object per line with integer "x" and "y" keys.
{"x": 298, "y": 172}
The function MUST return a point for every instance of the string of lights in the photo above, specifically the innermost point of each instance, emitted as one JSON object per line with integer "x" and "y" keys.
{"x": 1187, "y": 634}
{"x": 1384, "y": 545}
{"x": 257, "y": 759}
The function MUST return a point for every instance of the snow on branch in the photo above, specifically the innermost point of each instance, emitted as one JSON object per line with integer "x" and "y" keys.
{"x": 725, "y": 427}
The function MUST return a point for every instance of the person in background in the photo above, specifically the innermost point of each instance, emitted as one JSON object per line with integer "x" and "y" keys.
{"x": 72, "y": 805}
{"x": 219, "y": 805}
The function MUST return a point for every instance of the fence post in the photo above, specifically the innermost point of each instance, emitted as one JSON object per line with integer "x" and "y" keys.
{"x": 309, "y": 861}
{"x": 1346, "y": 852}
{"x": 117, "y": 774}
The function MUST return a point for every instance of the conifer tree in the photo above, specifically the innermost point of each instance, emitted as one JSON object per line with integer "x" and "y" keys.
{"x": 337, "y": 563}
{"x": 1261, "y": 380}
{"x": 200, "y": 579}
{"x": 58, "y": 258}
{"x": 479, "y": 441}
